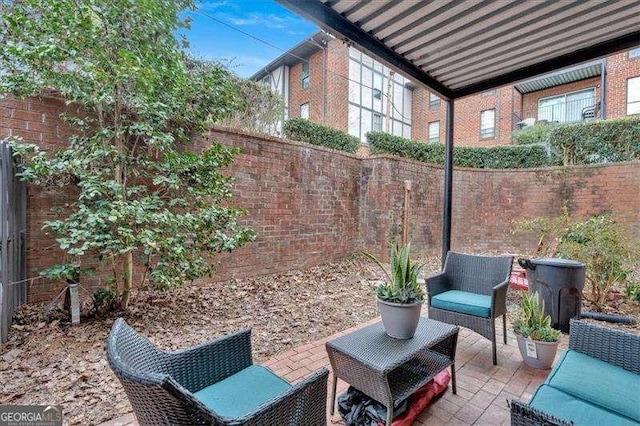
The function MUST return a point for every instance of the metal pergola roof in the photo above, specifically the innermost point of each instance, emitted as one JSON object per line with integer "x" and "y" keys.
{"x": 458, "y": 48}
{"x": 461, "y": 47}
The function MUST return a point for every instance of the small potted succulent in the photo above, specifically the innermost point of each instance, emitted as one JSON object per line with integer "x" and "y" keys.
{"x": 400, "y": 298}
{"x": 537, "y": 340}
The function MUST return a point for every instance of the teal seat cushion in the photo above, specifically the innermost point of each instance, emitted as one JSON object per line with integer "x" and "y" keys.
{"x": 598, "y": 382}
{"x": 243, "y": 392}
{"x": 463, "y": 302}
{"x": 567, "y": 407}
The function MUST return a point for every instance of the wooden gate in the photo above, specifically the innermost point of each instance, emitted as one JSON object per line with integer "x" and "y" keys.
{"x": 13, "y": 224}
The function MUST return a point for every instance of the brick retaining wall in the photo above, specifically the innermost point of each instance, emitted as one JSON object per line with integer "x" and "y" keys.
{"x": 311, "y": 205}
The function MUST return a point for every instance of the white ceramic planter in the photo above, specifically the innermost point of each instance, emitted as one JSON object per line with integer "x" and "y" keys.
{"x": 400, "y": 320}
{"x": 537, "y": 354}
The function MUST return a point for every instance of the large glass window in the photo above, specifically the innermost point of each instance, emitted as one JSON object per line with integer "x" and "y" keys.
{"x": 369, "y": 84}
{"x": 488, "y": 123}
{"x": 566, "y": 108}
{"x": 305, "y": 75}
{"x": 434, "y": 132}
{"x": 304, "y": 111}
{"x": 633, "y": 96}
{"x": 634, "y": 53}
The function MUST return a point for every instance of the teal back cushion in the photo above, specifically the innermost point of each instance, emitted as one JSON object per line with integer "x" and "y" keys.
{"x": 243, "y": 392}
{"x": 463, "y": 302}
{"x": 598, "y": 382}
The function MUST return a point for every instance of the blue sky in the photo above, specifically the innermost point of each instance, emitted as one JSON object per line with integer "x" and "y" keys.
{"x": 264, "y": 19}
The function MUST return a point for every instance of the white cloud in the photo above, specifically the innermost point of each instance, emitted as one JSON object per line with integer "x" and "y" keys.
{"x": 215, "y": 5}
{"x": 266, "y": 20}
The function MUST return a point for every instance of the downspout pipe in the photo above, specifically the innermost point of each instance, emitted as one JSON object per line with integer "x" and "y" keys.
{"x": 448, "y": 182}
{"x": 603, "y": 90}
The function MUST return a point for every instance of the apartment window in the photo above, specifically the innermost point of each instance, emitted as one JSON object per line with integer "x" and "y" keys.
{"x": 634, "y": 53}
{"x": 434, "y": 132}
{"x": 434, "y": 101}
{"x": 379, "y": 100}
{"x": 633, "y": 96}
{"x": 488, "y": 93}
{"x": 566, "y": 108}
{"x": 305, "y": 75}
{"x": 267, "y": 80}
{"x": 304, "y": 111}
{"x": 487, "y": 123}
{"x": 377, "y": 122}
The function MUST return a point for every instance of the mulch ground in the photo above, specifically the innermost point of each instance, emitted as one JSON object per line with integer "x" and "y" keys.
{"x": 48, "y": 361}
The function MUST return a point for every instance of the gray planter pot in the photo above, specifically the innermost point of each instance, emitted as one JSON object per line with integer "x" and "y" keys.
{"x": 537, "y": 354}
{"x": 400, "y": 320}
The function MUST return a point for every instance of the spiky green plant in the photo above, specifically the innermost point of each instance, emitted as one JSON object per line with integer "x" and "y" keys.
{"x": 532, "y": 321}
{"x": 402, "y": 285}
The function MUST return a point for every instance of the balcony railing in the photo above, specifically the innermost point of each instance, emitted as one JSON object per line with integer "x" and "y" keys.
{"x": 566, "y": 112}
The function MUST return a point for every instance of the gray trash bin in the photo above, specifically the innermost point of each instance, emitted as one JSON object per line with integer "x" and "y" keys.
{"x": 559, "y": 282}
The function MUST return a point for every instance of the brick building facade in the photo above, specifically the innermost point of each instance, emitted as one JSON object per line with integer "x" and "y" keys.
{"x": 505, "y": 109}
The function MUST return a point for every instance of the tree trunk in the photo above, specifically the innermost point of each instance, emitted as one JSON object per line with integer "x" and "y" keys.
{"x": 128, "y": 279}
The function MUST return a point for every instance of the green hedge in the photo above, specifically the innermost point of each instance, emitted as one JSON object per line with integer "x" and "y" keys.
{"x": 600, "y": 141}
{"x": 303, "y": 130}
{"x": 495, "y": 157}
{"x": 538, "y": 133}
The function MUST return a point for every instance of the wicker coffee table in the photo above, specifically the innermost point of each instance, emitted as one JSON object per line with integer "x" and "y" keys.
{"x": 388, "y": 369}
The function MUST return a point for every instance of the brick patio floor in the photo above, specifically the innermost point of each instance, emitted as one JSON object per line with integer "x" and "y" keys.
{"x": 483, "y": 388}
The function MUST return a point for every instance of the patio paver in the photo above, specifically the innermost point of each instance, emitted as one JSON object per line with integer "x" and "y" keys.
{"x": 483, "y": 389}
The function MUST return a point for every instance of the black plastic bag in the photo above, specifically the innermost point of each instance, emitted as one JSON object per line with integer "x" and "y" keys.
{"x": 357, "y": 409}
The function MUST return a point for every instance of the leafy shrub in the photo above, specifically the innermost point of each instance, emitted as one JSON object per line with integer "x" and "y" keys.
{"x": 103, "y": 298}
{"x": 303, "y": 130}
{"x": 538, "y": 133}
{"x": 599, "y": 242}
{"x": 633, "y": 291}
{"x": 495, "y": 157}
{"x": 601, "y": 141}
{"x": 259, "y": 109}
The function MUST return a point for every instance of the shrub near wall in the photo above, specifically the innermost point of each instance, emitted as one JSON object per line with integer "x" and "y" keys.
{"x": 303, "y": 130}
{"x": 495, "y": 157}
{"x": 604, "y": 141}
{"x": 538, "y": 133}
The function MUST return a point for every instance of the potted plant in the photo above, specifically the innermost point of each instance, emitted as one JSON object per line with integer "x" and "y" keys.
{"x": 537, "y": 340}
{"x": 400, "y": 298}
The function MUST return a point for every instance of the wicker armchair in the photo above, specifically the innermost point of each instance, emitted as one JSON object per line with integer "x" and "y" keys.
{"x": 471, "y": 291}
{"x": 211, "y": 384}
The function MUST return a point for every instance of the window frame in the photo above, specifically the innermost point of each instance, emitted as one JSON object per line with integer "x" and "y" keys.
{"x": 627, "y": 103}
{"x": 305, "y": 75}
{"x": 373, "y": 122}
{"x": 437, "y": 138}
{"x": 434, "y": 100}
{"x": 306, "y": 104}
{"x": 483, "y": 132}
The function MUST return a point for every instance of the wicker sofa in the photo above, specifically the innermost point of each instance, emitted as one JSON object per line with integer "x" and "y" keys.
{"x": 596, "y": 381}
{"x": 471, "y": 291}
{"x": 215, "y": 383}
